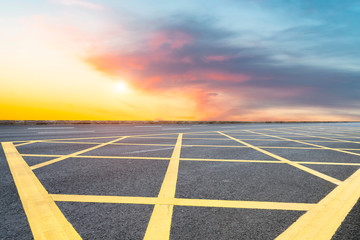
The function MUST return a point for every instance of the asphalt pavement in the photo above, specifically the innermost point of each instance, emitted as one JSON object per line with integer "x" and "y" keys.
{"x": 215, "y": 181}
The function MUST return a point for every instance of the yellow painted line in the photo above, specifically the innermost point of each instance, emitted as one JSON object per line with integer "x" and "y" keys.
{"x": 185, "y": 202}
{"x": 329, "y": 163}
{"x": 215, "y": 139}
{"x": 244, "y": 204}
{"x": 259, "y": 139}
{"x": 214, "y": 146}
{"x": 325, "y": 141}
{"x": 322, "y": 133}
{"x": 322, "y": 221}
{"x": 70, "y": 142}
{"x": 85, "y": 156}
{"x": 192, "y": 145}
{"x": 169, "y": 184}
{"x": 333, "y": 139}
{"x": 312, "y": 132}
{"x": 185, "y": 145}
{"x": 160, "y": 221}
{"x": 239, "y": 146}
{"x": 158, "y": 134}
{"x": 268, "y": 161}
{"x": 198, "y": 159}
{"x": 291, "y": 147}
{"x": 244, "y": 135}
{"x": 26, "y": 143}
{"x": 211, "y": 139}
{"x": 73, "y": 154}
{"x": 349, "y": 149}
{"x": 59, "y": 139}
{"x": 105, "y": 157}
{"x": 229, "y": 160}
{"x": 279, "y": 140}
{"x": 40, "y": 155}
{"x": 202, "y": 134}
{"x": 123, "y": 157}
{"x": 348, "y": 137}
{"x": 126, "y": 144}
{"x": 306, "y": 169}
{"x": 102, "y": 199}
{"x": 144, "y": 144}
{"x": 45, "y": 218}
{"x": 150, "y": 137}
{"x": 310, "y": 144}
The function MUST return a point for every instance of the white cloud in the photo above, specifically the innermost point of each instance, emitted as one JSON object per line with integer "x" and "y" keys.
{"x": 80, "y": 3}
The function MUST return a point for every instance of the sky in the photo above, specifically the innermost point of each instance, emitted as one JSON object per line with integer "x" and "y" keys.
{"x": 244, "y": 60}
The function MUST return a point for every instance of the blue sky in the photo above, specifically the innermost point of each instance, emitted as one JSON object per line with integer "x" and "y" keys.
{"x": 251, "y": 57}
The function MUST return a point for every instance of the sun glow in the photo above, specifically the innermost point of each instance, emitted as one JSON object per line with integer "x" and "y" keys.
{"x": 122, "y": 87}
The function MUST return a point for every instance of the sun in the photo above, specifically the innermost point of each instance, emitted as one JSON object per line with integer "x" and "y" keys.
{"x": 122, "y": 87}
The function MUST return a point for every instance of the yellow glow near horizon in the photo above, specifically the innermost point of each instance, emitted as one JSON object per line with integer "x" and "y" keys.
{"x": 43, "y": 81}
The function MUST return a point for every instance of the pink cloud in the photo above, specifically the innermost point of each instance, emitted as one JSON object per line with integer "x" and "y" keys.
{"x": 112, "y": 65}
{"x": 221, "y": 83}
{"x": 137, "y": 66}
{"x": 222, "y": 76}
{"x": 217, "y": 58}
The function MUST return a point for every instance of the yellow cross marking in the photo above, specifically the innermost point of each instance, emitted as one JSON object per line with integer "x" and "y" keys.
{"x": 25, "y": 143}
{"x": 333, "y": 139}
{"x": 301, "y": 167}
{"x": 185, "y": 202}
{"x": 45, "y": 218}
{"x": 135, "y": 136}
{"x": 160, "y": 221}
{"x": 184, "y": 145}
{"x": 323, "y": 133}
{"x": 126, "y": 144}
{"x": 86, "y": 156}
{"x": 322, "y": 221}
{"x": 73, "y": 154}
{"x": 306, "y": 143}
{"x": 197, "y": 159}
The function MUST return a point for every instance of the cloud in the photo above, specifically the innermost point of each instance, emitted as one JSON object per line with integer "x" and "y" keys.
{"x": 80, "y": 3}
{"x": 195, "y": 56}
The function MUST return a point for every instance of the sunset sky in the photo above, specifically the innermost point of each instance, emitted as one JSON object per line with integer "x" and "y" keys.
{"x": 245, "y": 60}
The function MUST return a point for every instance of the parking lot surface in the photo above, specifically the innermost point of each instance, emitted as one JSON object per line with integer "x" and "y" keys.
{"x": 216, "y": 181}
